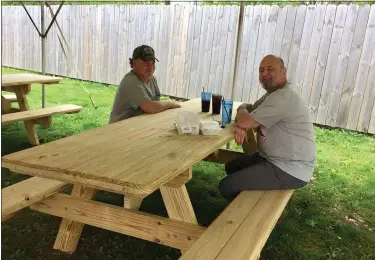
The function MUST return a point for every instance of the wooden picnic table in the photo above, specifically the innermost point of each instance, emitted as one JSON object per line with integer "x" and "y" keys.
{"x": 20, "y": 84}
{"x": 133, "y": 157}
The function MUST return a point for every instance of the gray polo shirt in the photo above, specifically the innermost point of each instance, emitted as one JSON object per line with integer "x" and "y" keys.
{"x": 131, "y": 93}
{"x": 286, "y": 135}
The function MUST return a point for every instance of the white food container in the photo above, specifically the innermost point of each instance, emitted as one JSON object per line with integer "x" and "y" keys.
{"x": 187, "y": 123}
{"x": 209, "y": 127}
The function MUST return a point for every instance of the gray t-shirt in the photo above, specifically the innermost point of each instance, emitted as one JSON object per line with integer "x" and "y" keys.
{"x": 131, "y": 93}
{"x": 285, "y": 136}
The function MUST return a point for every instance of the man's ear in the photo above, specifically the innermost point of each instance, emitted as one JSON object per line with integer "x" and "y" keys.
{"x": 284, "y": 71}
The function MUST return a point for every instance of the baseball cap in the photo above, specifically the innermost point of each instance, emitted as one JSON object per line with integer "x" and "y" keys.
{"x": 144, "y": 52}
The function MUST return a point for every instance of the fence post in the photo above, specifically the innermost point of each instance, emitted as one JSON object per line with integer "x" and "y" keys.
{"x": 238, "y": 47}
{"x": 43, "y": 51}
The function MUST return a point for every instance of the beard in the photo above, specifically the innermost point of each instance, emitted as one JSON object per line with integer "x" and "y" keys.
{"x": 269, "y": 86}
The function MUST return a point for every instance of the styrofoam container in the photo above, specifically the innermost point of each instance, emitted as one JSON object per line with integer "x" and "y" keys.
{"x": 209, "y": 127}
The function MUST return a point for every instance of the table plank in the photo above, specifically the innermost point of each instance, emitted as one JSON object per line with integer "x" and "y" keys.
{"x": 10, "y": 80}
{"x": 135, "y": 156}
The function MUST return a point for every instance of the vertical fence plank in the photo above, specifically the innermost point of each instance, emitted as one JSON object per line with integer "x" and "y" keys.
{"x": 308, "y": 79}
{"x": 298, "y": 79}
{"x": 354, "y": 58}
{"x": 368, "y": 99}
{"x": 322, "y": 59}
{"x": 177, "y": 51}
{"x": 244, "y": 48}
{"x": 252, "y": 51}
{"x": 230, "y": 53}
{"x": 215, "y": 49}
{"x": 362, "y": 74}
{"x": 296, "y": 43}
{"x": 280, "y": 26}
{"x": 255, "y": 85}
{"x": 205, "y": 63}
{"x": 188, "y": 53}
{"x": 331, "y": 68}
{"x": 193, "y": 88}
{"x": 164, "y": 43}
{"x": 271, "y": 29}
{"x": 206, "y": 17}
{"x": 171, "y": 36}
{"x": 371, "y": 128}
{"x": 183, "y": 50}
{"x": 222, "y": 48}
{"x": 288, "y": 34}
{"x": 342, "y": 65}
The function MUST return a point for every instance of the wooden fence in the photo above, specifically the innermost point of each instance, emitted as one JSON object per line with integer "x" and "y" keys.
{"x": 329, "y": 50}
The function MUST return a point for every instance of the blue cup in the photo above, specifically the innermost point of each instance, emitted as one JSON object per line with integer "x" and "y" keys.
{"x": 206, "y": 101}
{"x": 226, "y": 112}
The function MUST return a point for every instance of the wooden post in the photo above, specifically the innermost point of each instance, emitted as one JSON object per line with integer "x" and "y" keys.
{"x": 131, "y": 202}
{"x": 70, "y": 231}
{"x": 43, "y": 52}
{"x": 238, "y": 47}
{"x": 24, "y": 106}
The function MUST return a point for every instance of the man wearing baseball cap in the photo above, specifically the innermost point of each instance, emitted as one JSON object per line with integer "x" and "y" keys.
{"x": 138, "y": 91}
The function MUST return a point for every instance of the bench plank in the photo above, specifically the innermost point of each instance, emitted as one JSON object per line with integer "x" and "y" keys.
{"x": 248, "y": 241}
{"x": 39, "y": 113}
{"x": 218, "y": 233}
{"x": 242, "y": 229}
{"x": 25, "y": 193}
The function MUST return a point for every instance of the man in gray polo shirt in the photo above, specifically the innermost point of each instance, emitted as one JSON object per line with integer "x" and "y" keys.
{"x": 138, "y": 91}
{"x": 286, "y": 153}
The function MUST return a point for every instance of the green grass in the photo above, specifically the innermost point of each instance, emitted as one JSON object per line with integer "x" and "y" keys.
{"x": 331, "y": 218}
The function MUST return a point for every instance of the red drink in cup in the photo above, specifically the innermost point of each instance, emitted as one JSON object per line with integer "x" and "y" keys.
{"x": 216, "y": 103}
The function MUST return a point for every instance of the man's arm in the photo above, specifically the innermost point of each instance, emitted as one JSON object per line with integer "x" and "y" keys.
{"x": 152, "y": 107}
{"x": 245, "y": 121}
{"x": 244, "y": 106}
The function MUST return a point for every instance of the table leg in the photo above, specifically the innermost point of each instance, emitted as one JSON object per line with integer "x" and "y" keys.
{"x": 70, "y": 231}
{"x": 178, "y": 204}
{"x": 176, "y": 198}
{"x": 24, "y": 106}
{"x": 131, "y": 202}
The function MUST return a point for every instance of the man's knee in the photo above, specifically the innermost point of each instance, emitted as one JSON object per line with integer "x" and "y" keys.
{"x": 226, "y": 190}
{"x": 230, "y": 166}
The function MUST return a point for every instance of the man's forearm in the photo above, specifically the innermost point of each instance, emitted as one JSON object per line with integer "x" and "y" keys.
{"x": 248, "y": 107}
{"x": 153, "y": 107}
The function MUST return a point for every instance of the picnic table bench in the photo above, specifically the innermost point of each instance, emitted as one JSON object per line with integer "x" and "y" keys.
{"x": 135, "y": 157}
{"x": 20, "y": 84}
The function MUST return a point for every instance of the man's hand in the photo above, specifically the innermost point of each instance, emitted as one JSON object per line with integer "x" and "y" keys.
{"x": 172, "y": 105}
{"x": 240, "y": 135}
